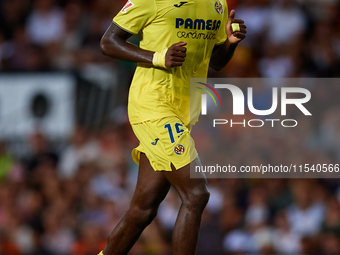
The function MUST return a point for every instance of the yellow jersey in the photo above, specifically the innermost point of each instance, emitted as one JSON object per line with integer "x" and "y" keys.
{"x": 155, "y": 92}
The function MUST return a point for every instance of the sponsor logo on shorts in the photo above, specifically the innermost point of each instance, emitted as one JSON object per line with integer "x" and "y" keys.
{"x": 179, "y": 149}
{"x": 127, "y": 6}
{"x": 180, "y": 4}
{"x": 155, "y": 142}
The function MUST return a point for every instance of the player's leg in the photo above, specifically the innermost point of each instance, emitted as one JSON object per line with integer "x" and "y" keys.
{"x": 194, "y": 195}
{"x": 151, "y": 189}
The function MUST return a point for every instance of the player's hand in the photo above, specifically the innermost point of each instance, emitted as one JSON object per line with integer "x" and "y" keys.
{"x": 175, "y": 55}
{"x": 235, "y": 37}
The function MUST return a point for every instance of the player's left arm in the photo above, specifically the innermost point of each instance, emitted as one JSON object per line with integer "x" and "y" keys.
{"x": 223, "y": 53}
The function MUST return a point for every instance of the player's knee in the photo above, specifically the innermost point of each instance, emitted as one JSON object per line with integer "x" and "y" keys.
{"x": 141, "y": 216}
{"x": 197, "y": 199}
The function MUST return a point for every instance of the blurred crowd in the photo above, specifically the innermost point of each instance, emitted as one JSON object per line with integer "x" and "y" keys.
{"x": 45, "y": 35}
{"x": 286, "y": 38}
{"x": 66, "y": 201}
{"x": 60, "y": 202}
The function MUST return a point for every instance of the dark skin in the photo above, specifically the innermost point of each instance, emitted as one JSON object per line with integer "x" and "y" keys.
{"x": 114, "y": 44}
{"x": 152, "y": 186}
{"x": 151, "y": 189}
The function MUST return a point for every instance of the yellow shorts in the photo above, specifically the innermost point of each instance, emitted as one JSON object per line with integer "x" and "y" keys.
{"x": 164, "y": 141}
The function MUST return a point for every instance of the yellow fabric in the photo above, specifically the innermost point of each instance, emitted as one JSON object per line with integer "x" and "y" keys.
{"x": 159, "y": 58}
{"x": 164, "y": 141}
{"x": 235, "y": 27}
{"x": 156, "y": 92}
{"x": 101, "y": 253}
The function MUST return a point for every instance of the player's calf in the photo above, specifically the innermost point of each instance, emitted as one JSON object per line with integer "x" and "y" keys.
{"x": 141, "y": 217}
{"x": 134, "y": 221}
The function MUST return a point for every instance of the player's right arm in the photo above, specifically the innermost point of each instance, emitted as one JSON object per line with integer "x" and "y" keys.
{"x": 114, "y": 44}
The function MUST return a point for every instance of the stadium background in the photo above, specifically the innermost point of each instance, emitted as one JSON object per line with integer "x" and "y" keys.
{"x": 63, "y": 189}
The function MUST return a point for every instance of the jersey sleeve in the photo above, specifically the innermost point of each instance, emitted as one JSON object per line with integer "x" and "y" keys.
{"x": 135, "y": 15}
{"x": 222, "y": 34}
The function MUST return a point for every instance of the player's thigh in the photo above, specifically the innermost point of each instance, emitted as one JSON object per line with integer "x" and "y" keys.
{"x": 152, "y": 186}
{"x": 186, "y": 186}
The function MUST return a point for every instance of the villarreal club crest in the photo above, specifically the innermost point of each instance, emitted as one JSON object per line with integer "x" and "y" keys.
{"x": 219, "y": 7}
{"x": 179, "y": 149}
